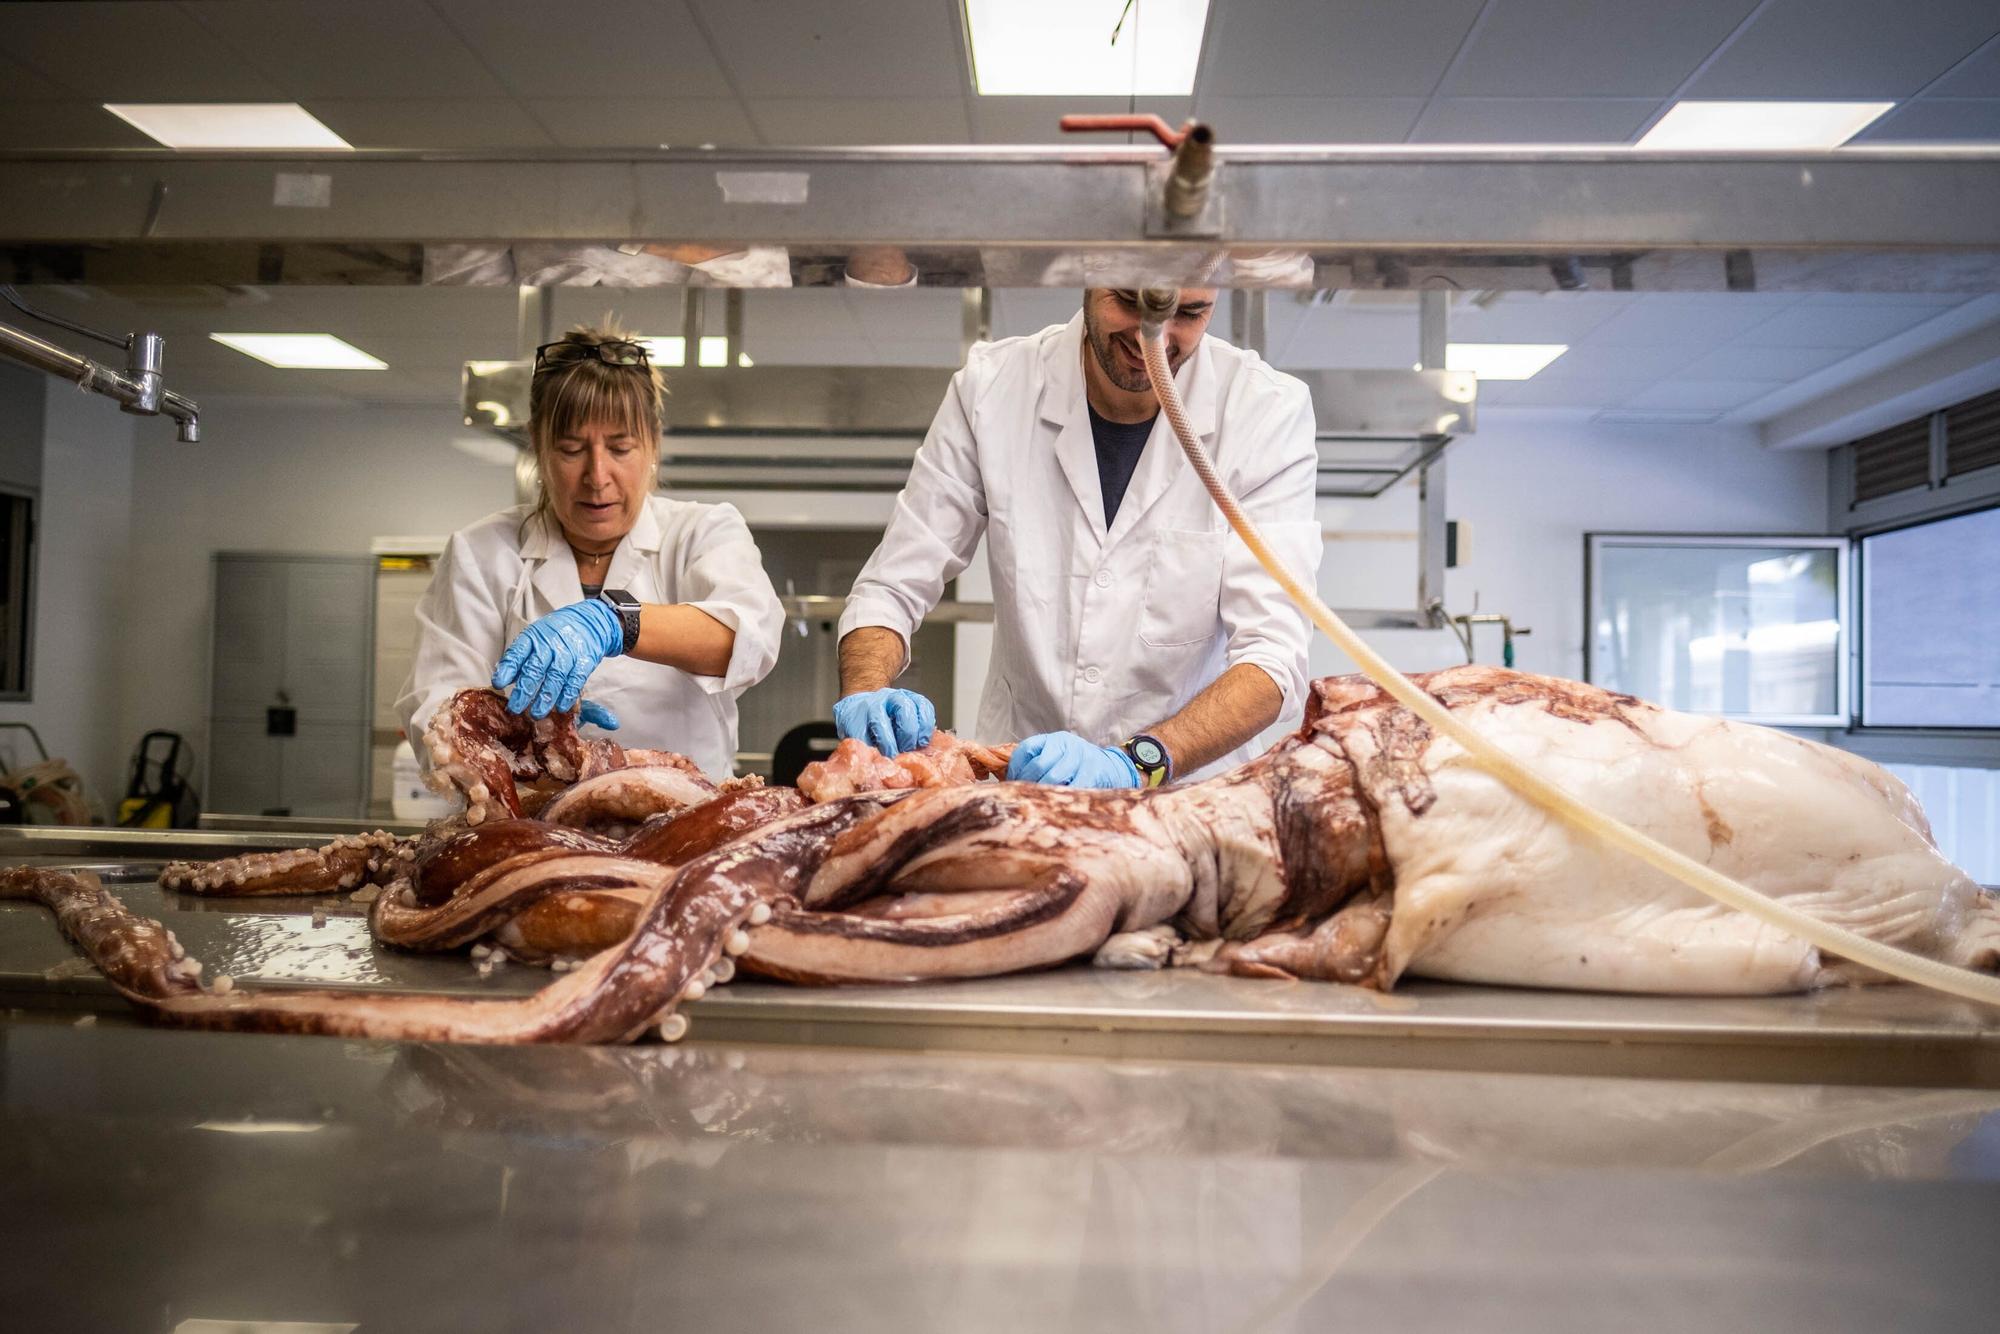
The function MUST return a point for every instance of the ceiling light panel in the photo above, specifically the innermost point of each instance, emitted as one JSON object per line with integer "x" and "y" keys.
{"x": 667, "y": 351}
{"x": 1761, "y": 125}
{"x": 228, "y": 124}
{"x": 301, "y": 351}
{"x": 1502, "y": 361}
{"x": 1064, "y": 48}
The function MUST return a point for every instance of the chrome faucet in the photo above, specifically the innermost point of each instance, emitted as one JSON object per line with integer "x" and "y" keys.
{"x": 139, "y": 390}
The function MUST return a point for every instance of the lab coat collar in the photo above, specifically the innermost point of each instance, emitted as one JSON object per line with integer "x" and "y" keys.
{"x": 545, "y": 547}
{"x": 1064, "y": 406}
{"x": 1063, "y": 403}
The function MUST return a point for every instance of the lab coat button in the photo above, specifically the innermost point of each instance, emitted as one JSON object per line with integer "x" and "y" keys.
{"x": 1092, "y": 675}
{"x": 1103, "y": 579}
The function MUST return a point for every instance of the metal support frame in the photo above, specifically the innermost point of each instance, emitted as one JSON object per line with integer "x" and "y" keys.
{"x": 1249, "y": 327}
{"x": 1844, "y": 219}
{"x": 1433, "y": 337}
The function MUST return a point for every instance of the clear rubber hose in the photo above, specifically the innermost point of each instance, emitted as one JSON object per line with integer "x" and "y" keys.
{"x": 1837, "y": 940}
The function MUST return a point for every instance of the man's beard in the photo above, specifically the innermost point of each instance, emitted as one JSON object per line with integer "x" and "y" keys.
{"x": 1132, "y": 382}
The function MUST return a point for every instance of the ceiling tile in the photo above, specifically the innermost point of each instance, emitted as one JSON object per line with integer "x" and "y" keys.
{"x": 1748, "y": 361}
{"x": 1316, "y": 120}
{"x": 1274, "y": 48}
{"x": 358, "y": 48}
{"x": 1978, "y": 76}
{"x": 112, "y": 52}
{"x": 544, "y": 50}
{"x": 598, "y": 122}
{"x": 1590, "y": 48}
{"x": 65, "y": 125}
{"x": 1590, "y": 360}
{"x": 1696, "y": 321}
{"x": 1531, "y": 317}
{"x": 1852, "y": 325}
{"x": 18, "y": 83}
{"x": 1702, "y": 395}
{"x": 1036, "y": 120}
{"x": 1938, "y": 120}
{"x": 776, "y": 48}
{"x": 808, "y": 121}
{"x": 1542, "y": 392}
{"x": 1847, "y": 49}
{"x": 1540, "y": 120}
{"x": 497, "y": 122}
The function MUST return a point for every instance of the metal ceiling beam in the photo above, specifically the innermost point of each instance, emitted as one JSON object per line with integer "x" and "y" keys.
{"x": 1903, "y": 219}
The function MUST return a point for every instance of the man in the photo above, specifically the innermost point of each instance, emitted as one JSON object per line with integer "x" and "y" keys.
{"x": 1136, "y": 640}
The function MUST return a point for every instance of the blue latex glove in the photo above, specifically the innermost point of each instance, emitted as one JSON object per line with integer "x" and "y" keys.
{"x": 1065, "y": 759}
{"x": 590, "y": 711}
{"x": 549, "y": 661}
{"x": 891, "y": 720}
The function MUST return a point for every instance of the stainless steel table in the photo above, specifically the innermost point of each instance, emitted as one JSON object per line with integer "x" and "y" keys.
{"x": 152, "y": 1181}
{"x": 1886, "y": 1035}
{"x": 1065, "y": 1151}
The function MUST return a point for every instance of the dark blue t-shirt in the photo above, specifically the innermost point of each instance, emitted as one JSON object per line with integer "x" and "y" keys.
{"x": 1119, "y": 445}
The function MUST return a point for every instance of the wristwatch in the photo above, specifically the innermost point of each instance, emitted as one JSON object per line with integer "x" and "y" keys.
{"x": 627, "y": 608}
{"x": 1155, "y": 766}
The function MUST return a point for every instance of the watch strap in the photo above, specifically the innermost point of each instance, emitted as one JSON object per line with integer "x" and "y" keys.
{"x": 627, "y": 609}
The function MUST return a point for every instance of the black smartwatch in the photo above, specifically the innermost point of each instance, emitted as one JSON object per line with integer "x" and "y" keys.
{"x": 627, "y": 608}
{"x": 1155, "y": 766}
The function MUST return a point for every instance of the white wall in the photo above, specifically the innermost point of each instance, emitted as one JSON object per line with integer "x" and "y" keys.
{"x": 81, "y": 640}
{"x": 1528, "y": 487}
{"x": 269, "y": 477}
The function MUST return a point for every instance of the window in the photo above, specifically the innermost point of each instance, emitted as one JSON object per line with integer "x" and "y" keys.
{"x": 17, "y": 582}
{"x": 1930, "y": 617}
{"x": 1744, "y": 627}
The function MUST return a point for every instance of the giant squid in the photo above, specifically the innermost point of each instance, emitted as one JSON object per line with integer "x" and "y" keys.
{"x": 1360, "y": 849}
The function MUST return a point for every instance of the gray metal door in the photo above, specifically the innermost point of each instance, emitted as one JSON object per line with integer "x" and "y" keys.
{"x": 288, "y": 712}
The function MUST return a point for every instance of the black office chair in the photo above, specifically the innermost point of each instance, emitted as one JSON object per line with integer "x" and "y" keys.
{"x": 799, "y": 747}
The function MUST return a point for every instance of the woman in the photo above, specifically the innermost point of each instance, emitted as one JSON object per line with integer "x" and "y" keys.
{"x": 661, "y": 605}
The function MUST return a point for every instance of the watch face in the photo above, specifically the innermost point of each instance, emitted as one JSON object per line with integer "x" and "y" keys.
{"x": 1148, "y": 752}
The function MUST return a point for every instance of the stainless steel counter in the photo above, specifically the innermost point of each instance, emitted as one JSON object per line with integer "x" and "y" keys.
{"x": 1887, "y": 1035}
{"x": 1067, "y": 1151}
{"x": 150, "y": 1181}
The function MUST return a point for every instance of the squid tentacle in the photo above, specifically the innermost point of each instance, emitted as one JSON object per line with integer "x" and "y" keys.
{"x": 694, "y": 923}
{"x": 346, "y": 863}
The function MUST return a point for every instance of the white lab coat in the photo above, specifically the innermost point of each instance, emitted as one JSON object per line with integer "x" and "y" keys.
{"x": 1104, "y": 633}
{"x": 494, "y": 579}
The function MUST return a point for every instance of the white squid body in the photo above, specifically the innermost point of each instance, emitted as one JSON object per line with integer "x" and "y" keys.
{"x": 1490, "y": 888}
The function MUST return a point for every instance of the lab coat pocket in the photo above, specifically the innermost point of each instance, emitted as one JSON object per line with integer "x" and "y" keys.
{"x": 1183, "y": 588}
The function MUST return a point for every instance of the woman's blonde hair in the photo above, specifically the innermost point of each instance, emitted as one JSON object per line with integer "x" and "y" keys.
{"x": 570, "y": 395}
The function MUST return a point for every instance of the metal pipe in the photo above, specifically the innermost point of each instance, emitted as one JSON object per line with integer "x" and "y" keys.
{"x": 1193, "y": 174}
{"x": 142, "y": 395}
{"x": 13, "y": 298}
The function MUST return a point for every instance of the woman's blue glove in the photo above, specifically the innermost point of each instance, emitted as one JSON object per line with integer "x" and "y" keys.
{"x": 549, "y": 661}
{"x": 890, "y": 720}
{"x": 590, "y": 711}
{"x": 1065, "y": 759}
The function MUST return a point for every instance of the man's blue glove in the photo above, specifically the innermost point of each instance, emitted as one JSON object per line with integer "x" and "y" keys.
{"x": 891, "y": 720}
{"x": 1067, "y": 760}
{"x": 549, "y": 661}
{"x": 590, "y": 711}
